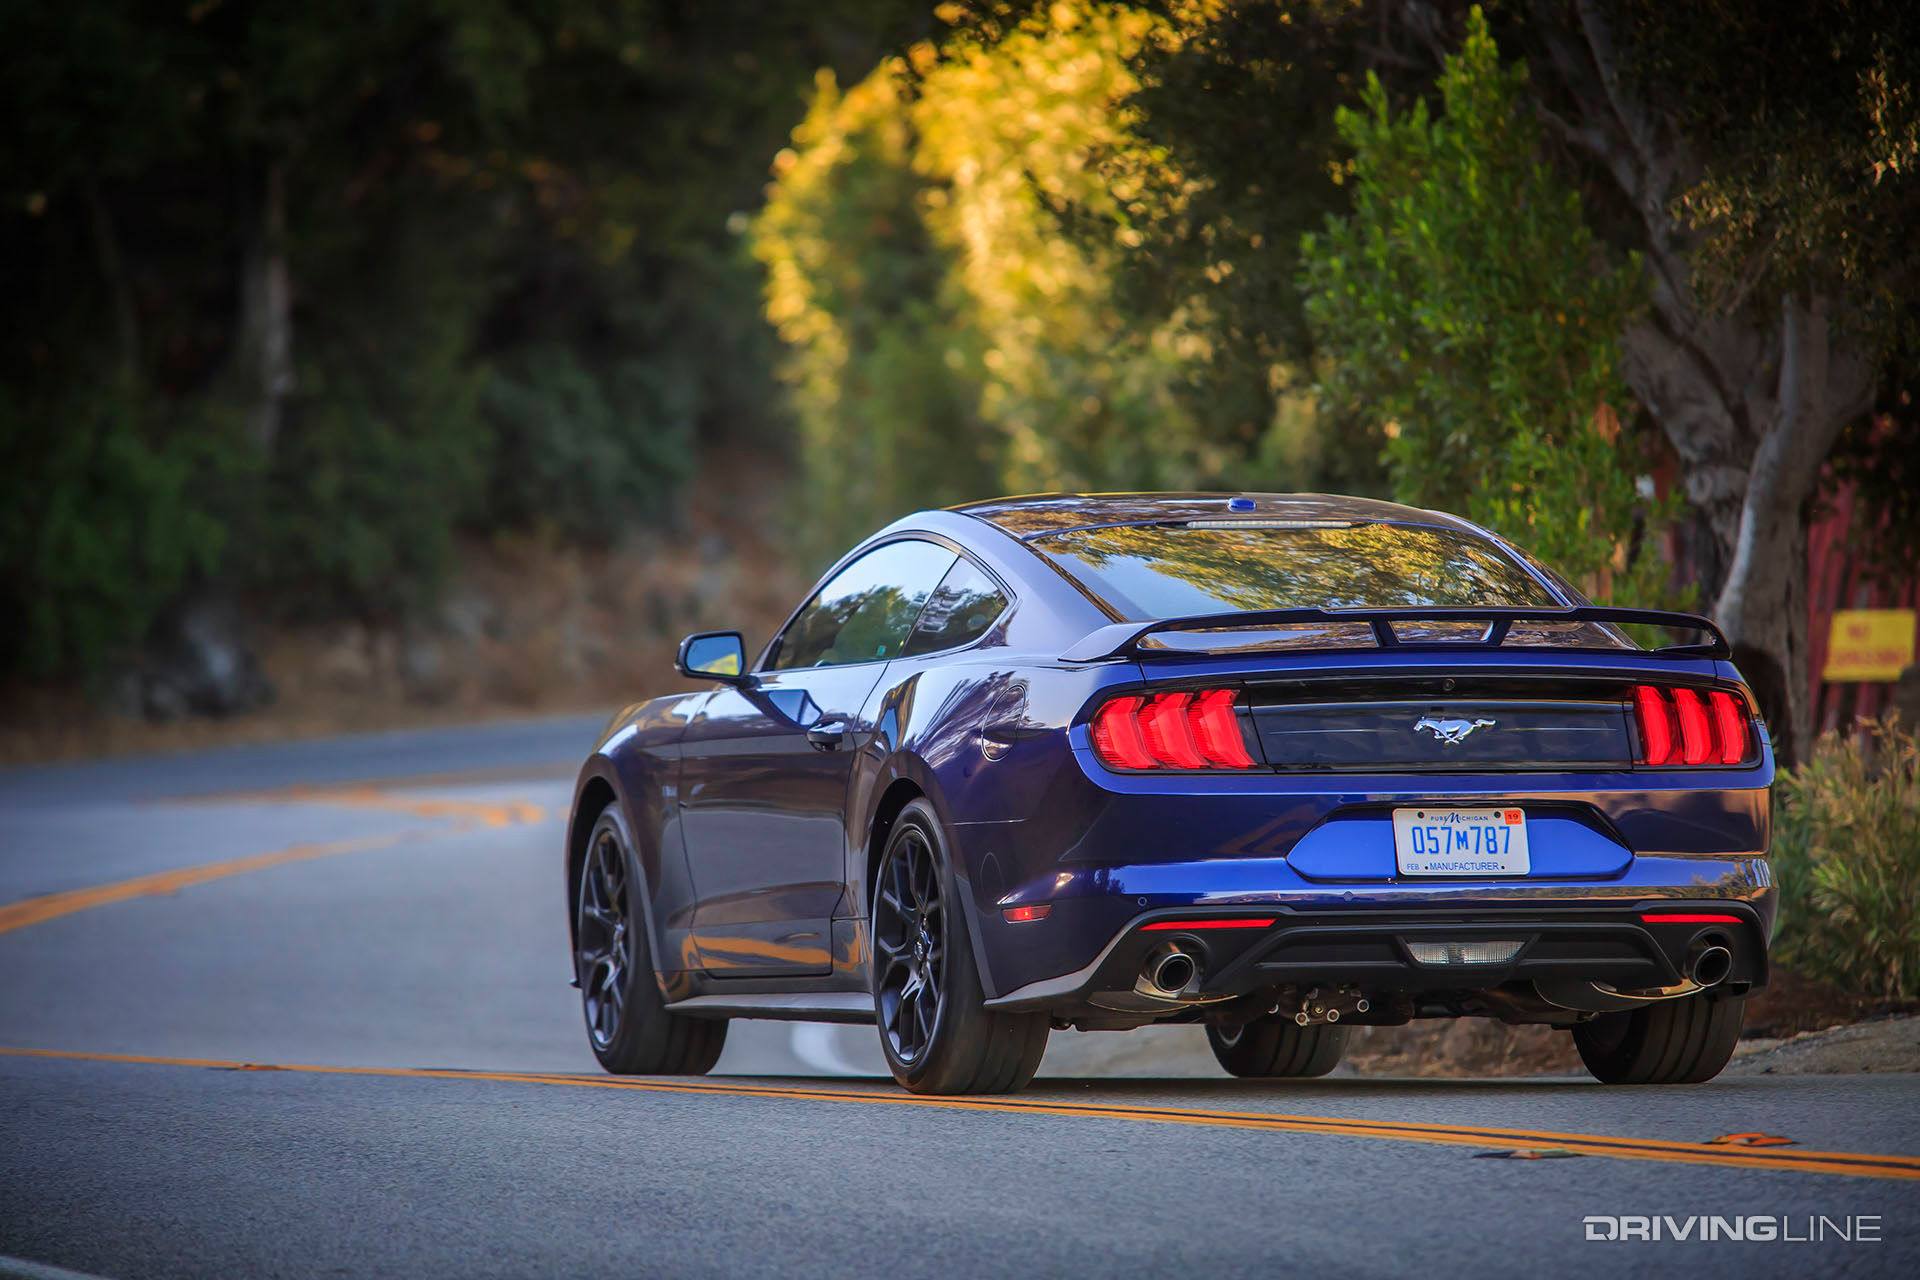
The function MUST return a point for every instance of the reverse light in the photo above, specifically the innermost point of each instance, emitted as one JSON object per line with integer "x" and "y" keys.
{"x": 1463, "y": 952}
{"x": 1184, "y": 730}
{"x": 1683, "y": 727}
{"x": 1021, "y": 915}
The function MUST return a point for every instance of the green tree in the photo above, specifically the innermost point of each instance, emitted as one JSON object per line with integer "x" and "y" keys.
{"x": 298, "y": 292}
{"x": 1763, "y": 160}
{"x": 946, "y": 335}
{"x": 1460, "y": 308}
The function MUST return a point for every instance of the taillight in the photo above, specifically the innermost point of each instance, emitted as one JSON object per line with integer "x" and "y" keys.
{"x": 1185, "y": 730}
{"x": 1680, "y": 726}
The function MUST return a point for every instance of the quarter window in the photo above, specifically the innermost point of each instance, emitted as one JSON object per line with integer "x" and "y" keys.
{"x": 864, "y": 612}
{"x": 959, "y": 611}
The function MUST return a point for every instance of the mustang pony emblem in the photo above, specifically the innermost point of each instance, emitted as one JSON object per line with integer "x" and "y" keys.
{"x": 1451, "y": 732}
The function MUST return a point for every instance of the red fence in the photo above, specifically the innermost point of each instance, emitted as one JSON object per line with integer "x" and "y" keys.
{"x": 1836, "y": 579}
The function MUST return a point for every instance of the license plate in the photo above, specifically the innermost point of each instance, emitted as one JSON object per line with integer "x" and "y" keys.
{"x": 1460, "y": 842}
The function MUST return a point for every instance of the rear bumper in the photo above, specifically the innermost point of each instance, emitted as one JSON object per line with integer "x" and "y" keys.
{"x": 1561, "y": 933}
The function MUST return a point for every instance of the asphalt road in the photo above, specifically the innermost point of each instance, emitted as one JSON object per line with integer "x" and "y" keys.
{"x": 303, "y": 1010}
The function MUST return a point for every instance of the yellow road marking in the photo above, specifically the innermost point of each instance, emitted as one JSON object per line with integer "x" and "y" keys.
{"x": 17, "y": 915}
{"x": 498, "y": 814}
{"x": 1857, "y": 1164}
{"x": 555, "y": 770}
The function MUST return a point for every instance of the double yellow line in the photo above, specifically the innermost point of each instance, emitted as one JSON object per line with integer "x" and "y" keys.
{"x": 464, "y": 815}
{"x": 1855, "y": 1164}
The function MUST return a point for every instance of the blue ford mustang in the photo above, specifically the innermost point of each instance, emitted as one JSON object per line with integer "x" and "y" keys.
{"x": 1274, "y": 764}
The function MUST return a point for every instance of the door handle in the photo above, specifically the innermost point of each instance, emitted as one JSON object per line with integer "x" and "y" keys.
{"x": 828, "y": 735}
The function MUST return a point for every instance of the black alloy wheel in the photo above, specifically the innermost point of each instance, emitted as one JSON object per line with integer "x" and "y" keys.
{"x": 935, "y": 1030}
{"x": 628, "y": 1025}
{"x": 909, "y": 933}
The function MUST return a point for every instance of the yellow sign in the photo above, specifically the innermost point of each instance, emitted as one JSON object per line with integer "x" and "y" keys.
{"x": 1869, "y": 644}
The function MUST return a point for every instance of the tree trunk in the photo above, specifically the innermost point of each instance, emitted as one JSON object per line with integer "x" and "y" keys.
{"x": 106, "y": 249}
{"x": 265, "y": 346}
{"x": 1751, "y": 399}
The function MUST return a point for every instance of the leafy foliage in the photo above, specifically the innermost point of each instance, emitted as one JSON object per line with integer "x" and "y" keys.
{"x": 946, "y": 336}
{"x": 1809, "y": 146}
{"x": 106, "y": 533}
{"x": 1846, "y": 857}
{"x": 1460, "y": 312}
{"x": 511, "y": 246}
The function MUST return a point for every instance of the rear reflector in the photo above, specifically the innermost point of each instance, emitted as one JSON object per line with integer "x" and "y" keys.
{"x": 1185, "y": 730}
{"x": 1678, "y": 727}
{"x": 1189, "y": 925}
{"x": 1020, "y": 915}
{"x": 1679, "y": 918}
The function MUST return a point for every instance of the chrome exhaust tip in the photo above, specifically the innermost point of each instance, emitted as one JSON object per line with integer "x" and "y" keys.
{"x": 1709, "y": 964}
{"x": 1171, "y": 973}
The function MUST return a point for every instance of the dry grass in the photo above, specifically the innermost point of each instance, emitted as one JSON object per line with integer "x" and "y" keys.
{"x": 524, "y": 626}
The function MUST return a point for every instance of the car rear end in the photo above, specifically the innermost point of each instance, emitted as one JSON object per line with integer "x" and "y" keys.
{"x": 1443, "y": 787}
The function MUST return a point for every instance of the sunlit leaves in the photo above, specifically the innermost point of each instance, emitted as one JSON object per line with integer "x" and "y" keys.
{"x": 947, "y": 336}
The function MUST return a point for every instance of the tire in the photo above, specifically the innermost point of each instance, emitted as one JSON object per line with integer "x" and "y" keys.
{"x": 1273, "y": 1047}
{"x": 628, "y": 1025}
{"x": 934, "y": 1029}
{"x": 1684, "y": 1041}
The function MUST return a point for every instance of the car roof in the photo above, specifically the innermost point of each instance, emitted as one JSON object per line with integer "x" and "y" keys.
{"x": 1036, "y": 515}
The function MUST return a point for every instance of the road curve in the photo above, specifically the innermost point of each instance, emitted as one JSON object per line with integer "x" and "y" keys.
{"x": 302, "y": 1010}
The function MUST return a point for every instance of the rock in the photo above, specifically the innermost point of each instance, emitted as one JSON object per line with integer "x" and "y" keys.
{"x": 347, "y": 663}
{"x": 202, "y": 662}
{"x": 470, "y": 616}
{"x": 424, "y": 670}
{"x": 163, "y": 701}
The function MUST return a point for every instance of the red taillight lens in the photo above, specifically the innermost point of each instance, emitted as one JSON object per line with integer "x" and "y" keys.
{"x": 1655, "y": 719}
{"x": 1696, "y": 734}
{"x": 1679, "y": 726}
{"x": 1163, "y": 723}
{"x": 1730, "y": 726}
{"x": 1024, "y": 915}
{"x": 1116, "y": 735}
{"x": 1217, "y": 730}
{"x": 1171, "y": 731}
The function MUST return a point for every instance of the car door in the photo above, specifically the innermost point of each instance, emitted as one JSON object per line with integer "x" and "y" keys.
{"x": 765, "y": 767}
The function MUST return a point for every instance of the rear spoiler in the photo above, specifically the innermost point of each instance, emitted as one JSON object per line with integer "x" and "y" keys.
{"x": 1122, "y": 639}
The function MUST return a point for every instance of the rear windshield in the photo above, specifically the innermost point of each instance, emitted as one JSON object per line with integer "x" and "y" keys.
{"x": 1144, "y": 572}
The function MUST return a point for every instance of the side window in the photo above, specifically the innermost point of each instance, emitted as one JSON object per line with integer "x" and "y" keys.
{"x": 959, "y": 612}
{"x": 863, "y": 612}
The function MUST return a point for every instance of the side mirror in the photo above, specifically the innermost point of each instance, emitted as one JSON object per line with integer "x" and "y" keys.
{"x": 713, "y": 655}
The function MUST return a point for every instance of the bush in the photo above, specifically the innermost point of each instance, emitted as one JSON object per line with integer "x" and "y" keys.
{"x": 583, "y": 454}
{"x": 1846, "y": 858}
{"x": 103, "y": 522}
